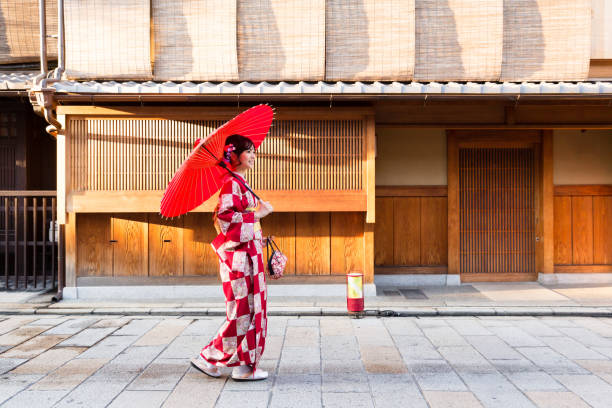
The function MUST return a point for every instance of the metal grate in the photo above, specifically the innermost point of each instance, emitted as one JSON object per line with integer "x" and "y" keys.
{"x": 497, "y": 216}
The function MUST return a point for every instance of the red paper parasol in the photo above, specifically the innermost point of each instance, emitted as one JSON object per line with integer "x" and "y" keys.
{"x": 201, "y": 174}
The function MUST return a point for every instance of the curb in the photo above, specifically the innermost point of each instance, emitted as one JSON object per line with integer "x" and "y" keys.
{"x": 323, "y": 311}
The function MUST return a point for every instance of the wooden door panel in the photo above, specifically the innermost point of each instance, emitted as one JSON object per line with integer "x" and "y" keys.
{"x": 434, "y": 231}
{"x": 282, "y": 227}
{"x": 199, "y": 256}
{"x": 312, "y": 243}
{"x": 582, "y": 230}
{"x": 94, "y": 249}
{"x": 406, "y": 231}
{"x": 602, "y": 230}
{"x": 130, "y": 251}
{"x": 165, "y": 246}
{"x": 347, "y": 245}
{"x": 563, "y": 230}
{"x": 383, "y": 231}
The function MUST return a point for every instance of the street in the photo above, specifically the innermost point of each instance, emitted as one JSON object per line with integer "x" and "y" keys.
{"x": 143, "y": 361}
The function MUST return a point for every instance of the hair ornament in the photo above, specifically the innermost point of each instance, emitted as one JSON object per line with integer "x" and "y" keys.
{"x": 227, "y": 153}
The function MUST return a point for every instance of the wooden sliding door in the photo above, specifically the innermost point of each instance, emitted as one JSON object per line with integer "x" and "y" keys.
{"x": 497, "y": 209}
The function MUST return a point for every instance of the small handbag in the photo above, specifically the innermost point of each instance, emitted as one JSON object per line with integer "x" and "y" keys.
{"x": 276, "y": 259}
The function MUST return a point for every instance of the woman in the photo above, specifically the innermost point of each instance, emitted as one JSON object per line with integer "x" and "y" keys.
{"x": 241, "y": 340}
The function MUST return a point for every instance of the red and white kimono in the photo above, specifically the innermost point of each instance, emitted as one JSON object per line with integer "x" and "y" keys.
{"x": 241, "y": 339}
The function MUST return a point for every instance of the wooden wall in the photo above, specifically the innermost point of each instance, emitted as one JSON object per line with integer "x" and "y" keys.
{"x": 583, "y": 228}
{"x": 411, "y": 228}
{"x": 142, "y": 244}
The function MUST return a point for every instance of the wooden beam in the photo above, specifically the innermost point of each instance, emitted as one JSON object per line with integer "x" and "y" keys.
{"x": 368, "y": 253}
{"x": 583, "y": 268}
{"x": 71, "y": 249}
{"x": 203, "y": 113}
{"x": 370, "y": 173}
{"x": 453, "y": 202}
{"x": 63, "y": 166}
{"x": 411, "y": 191}
{"x": 420, "y": 270}
{"x": 548, "y": 237}
{"x": 282, "y": 201}
{"x": 583, "y": 190}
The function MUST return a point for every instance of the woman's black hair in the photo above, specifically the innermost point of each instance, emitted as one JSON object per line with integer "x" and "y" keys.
{"x": 240, "y": 143}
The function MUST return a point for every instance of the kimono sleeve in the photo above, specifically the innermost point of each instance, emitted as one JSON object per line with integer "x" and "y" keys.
{"x": 237, "y": 224}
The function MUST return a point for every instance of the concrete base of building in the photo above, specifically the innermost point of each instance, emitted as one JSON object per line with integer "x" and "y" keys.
{"x": 574, "y": 278}
{"x": 174, "y": 292}
{"x": 411, "y": 280}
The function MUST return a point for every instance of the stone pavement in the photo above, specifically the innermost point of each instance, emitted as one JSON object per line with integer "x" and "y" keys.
{"x": 332, "y": 361}
{"x": 477, "y": 299}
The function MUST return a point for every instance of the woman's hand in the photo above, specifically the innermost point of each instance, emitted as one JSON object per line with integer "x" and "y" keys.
{"x": 264, "y": 209}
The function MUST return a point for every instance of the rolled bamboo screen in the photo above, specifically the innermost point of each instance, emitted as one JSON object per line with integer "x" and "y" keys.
{"x": 369, "y": 40}
{"x": 19, "y": 31}
{"x": 458, "y": 40}
{"x": 117, "y": 154}
{"x": 195, "y": 40}
{"x": 601, "y": 47}
{"x": 108, "y": 39}
{"x": 546, "y": 40}
{"x": 281, "y": 40}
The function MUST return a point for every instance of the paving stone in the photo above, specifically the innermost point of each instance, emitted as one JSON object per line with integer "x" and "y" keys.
{"x": 537, "y": 328}
{"x": 557, "y": 400}
{"x": 274, "y": 346}
{"x": 444, "y": 336}
{"x": 163, "y": 333}
{"x": 34, "y": 399}
{"x": 139, "y": 399}
{"x": 557, "y": 322}
{"x": 491, "y": 347}
{"x": 466, "y": 359}
{"x": 93, "y": 393}
{"x": 382, "y": 359}
{"x": 15, "y": 322}
{"x": 347, "y": 400}
{"x": 300, "y": 360}
{"x": 4, "y": 348}
{"x": 451, "y": 399}
{"x": 469, "y": 327}
{"x": 137, "y": 327}
{"x": 233, "y": 399}
{"x": 590, "y": 388}
{"x": 423, "y": 322}
{"x": 344, "y": 376}
{"x": 534, "y": 381}
{"x": 70, "y": 374}
{"x": 601, "y": 326}
{"x": 113, "y": 322}
{"x": 493, "y": 390}
{"x": 550, "y": 361}
{"x": 49, "y": 360}
{"x": 87, "y": 337}
{"x": 161, "y": 374}
{"x": 572, "y": 349}
{"x": 302, "y": 336}
{"x": 109, "y": 347}
{"x": 516, "y": 337}
{"x": 335, "y": 326}
{"x": 186, "y": 346}
{"x": 195, "y": 390}
{"x": 303, "y": 322}
{"x": 416, "y": 348}
{"x": 11, "y": 384}
{"x": 601, "y": 368}
{"x": 21, "y": 334}
{"x": 435, "y": 375}
{"x": 7, "y": 364}
{"x": 339, "y": 347}
{"x": 49, "y": 321}
{"x": 34, "y": 346}
{"x": 515, "y": 366}
{"x": 299, "y": 399}
{"x": 586, "y": 337}
{"x": 72, "y": 326}
{"x": 606, "y": 351}
{"x": 296, "y": 383}
{"x": 401, "y": 327}
{"x": 395, "y": 390}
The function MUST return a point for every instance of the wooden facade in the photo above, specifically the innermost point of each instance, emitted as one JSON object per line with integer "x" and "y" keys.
{"x": 315, "y": 168}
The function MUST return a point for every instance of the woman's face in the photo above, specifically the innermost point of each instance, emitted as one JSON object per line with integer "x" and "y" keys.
{"x": 247, "y": 160}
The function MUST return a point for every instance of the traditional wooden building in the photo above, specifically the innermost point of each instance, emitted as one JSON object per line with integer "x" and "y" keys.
{"x": 421, "y": 142}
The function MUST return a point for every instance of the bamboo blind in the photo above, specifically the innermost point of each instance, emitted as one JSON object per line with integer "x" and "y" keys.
{"x": 281, "y": 40}
{"x": 458, "y": 40}
{"x": 546, "y": 40}
{"x": 497, "y": 215}
{"x": 108, "y": 39}
{"x": 601, "y": 47}
{"x": 19, "y": 31}
{"x": 195, "y": 40}
{"x": 112, "y": 155}
{"x": 369, "y": 40}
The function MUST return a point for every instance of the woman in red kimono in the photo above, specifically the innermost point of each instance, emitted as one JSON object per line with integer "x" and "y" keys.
{"x": 240, "y": 342}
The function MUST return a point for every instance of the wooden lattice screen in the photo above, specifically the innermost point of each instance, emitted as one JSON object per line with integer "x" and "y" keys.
{"x": 140, "y": 154}
{"x": 497, "y": 216}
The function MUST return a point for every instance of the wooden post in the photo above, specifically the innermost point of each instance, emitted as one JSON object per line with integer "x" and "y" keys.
{"x": 547, "y": 203}
{"x": 453, "y": 202}
{"x": 370, "y": 187}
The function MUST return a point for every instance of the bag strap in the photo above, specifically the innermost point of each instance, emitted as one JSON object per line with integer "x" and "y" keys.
{"x": 273, "y": 244}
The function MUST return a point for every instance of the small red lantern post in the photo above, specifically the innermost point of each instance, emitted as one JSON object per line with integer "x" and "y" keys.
{"x": 354, "y": 294}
